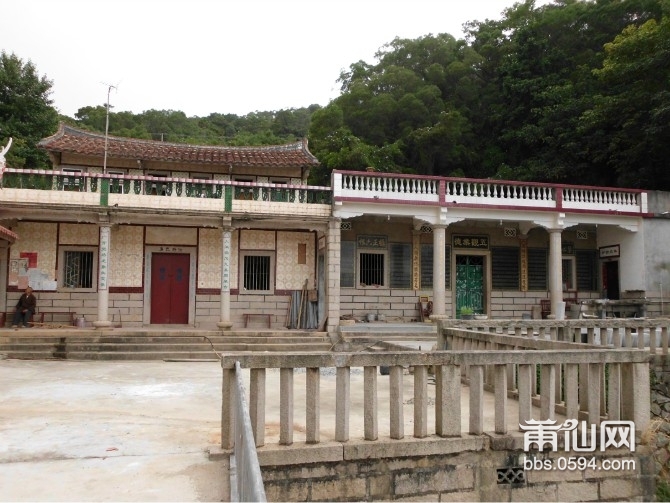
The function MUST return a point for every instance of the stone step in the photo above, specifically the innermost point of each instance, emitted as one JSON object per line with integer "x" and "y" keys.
{"x": 159, "y": 340}
{"x": 152, "y": 344}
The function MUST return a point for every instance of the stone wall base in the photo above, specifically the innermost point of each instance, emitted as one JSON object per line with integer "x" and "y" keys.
{"x": 349, "y": 472}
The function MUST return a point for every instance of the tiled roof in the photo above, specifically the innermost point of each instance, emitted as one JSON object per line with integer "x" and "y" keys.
{"x": 7, "y": 235}
{"x": 78, "y": 141}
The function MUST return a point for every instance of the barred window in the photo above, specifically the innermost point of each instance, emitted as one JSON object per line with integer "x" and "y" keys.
{"x": 537, "y": 268}
{"x": 505, "y": 268}
{"x": 78, "y": 268}
{"x": 587, "y": 270}
{"x": 371, "y": 269}
{"x": 257, "y": 272}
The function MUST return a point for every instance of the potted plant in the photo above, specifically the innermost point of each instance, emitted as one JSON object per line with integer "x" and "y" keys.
{"x": 467, "y": 313}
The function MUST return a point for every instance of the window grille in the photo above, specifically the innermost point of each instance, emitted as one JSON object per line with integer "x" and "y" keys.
{"x": 347, "y": 264}
{"x": 587, "y": 270}
{"x": 505, "y": 268}
{"x": 256, "y": 274}
{"x": 401, "y": 265}
{"x": 78, "y": 269}
{"x": 371, "y": 269}
{"x": 538, "y": 268}
{"x": 427, "y": 266}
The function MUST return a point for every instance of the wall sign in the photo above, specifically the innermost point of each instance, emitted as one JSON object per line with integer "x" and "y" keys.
{"x": 378, "y": 242}
{"x": 471, "y": 242}
{"x": 609, "y": 251}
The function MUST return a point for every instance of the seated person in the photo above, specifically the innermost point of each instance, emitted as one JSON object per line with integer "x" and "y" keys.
{"x": 25, "y": 308}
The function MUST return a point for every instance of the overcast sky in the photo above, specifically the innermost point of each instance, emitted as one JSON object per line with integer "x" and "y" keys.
{"x": 206, "y": 56}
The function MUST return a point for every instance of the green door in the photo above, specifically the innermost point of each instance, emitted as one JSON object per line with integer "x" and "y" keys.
{"x": 469, "y": 283}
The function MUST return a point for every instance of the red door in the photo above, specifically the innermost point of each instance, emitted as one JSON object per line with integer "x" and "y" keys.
{"x": 170, "y": 274}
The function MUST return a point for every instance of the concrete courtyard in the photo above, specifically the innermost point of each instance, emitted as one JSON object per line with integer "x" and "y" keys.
{"x": 142, "y": 430}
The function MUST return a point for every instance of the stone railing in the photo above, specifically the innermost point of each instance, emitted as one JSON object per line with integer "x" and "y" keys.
{"x": 121, "y": 187}
{"x": 248, "y": 477}
{"x": 410, "y": 189}
{"x": 492, "y": 362}
{"x": 650, "y": 334}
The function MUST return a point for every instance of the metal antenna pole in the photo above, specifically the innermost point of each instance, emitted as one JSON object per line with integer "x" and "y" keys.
{"x": 104, "y": 159}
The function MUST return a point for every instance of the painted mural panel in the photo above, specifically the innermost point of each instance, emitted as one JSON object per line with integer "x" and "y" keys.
{"x": 127, "y": 252}
{"x": 295, "y": 260}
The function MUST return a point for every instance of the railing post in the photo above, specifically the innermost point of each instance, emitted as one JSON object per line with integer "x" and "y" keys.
{"x": 421, "y": 401}
{"x": 312, "y": 405}
{"x": 500, "y": 386}
{"x": 571, "y": 390}
{"x": 342, "y": 403}
{"x": 448, "y": 400}
{"x": 614, "y": 392}
{"x": 548, "y": 387}
{"x": 227, "y": 412}
{"x": 396, "y": 406}
{"x": 525, "y": 401}
{"x": 370, "y": 403}
{"x": 664, "y": 339}
{"x": 476, "y": 399}
{"x": 593, "y": 393}
{"x": 641, "y": 396}
{"x": 286, "y": 406}
{"x": 257, "y": 404}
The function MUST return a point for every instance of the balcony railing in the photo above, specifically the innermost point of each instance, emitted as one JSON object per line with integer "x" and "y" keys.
{"x": 127, "y": 185}
{"x": 410, "y": 189}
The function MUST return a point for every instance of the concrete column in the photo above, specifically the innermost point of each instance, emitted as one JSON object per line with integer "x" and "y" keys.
{"x": 333, "y": 275}
{"x": 439, "y": 270}
{"x": 103, "y": 277}
{"x": 226, "y": 245}
{"x": 555, "y": 269}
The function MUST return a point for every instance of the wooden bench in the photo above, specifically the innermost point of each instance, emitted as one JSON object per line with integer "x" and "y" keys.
{"x": 39, "y": 317}
{"x": 249, "y": 315}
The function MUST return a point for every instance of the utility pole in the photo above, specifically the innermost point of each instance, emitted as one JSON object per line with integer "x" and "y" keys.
{"x": 104, "y": 159}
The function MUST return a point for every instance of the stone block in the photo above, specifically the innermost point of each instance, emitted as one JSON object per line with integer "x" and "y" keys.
{"x": 460, "y": 496}
{"x": 578, "y": 491}
{"x": 275, "y": 455}
{"x": 423, "y": 497}
{"x": 380, "y": 487}
{"x": 339, "y": 489}
{"x": 437, "y": 479}
{"x": 287, "y": 490}
{"x": 617, "y": 488}
{"x": 538, "y": 492}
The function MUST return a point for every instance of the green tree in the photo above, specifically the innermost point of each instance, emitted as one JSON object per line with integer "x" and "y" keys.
{"x": 26, "y": 111}
{"x": 628, "y": 128}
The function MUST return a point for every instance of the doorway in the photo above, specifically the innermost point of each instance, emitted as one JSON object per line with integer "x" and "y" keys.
{"x": 170, "y": 275}
{"x": 611, "y": 280}
{"x": 470, "y": 274}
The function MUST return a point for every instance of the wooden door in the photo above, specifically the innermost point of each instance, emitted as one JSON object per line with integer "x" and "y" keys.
{"x": 170, "y": 273}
